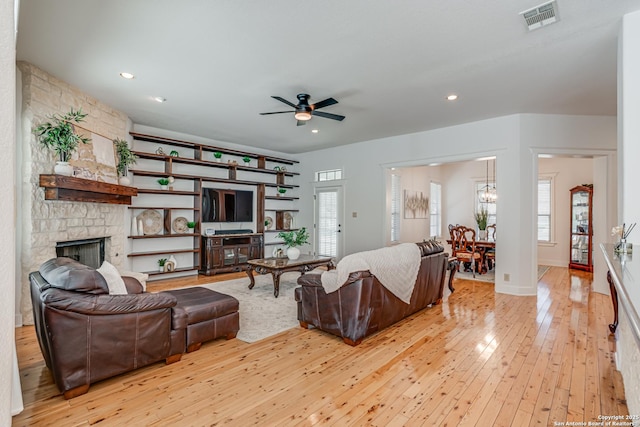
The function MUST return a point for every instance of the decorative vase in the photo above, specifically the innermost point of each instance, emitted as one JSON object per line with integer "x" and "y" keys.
{"x": 482, "y": 234}
{"x": 134, "y": 226}
{"x": 624, "y": 247}
{"x": 161, "y": 268}
{"x": 173, "y": 260}
{"x": 124, "y": 180}
{"x": 293, "y": 253}
{"x": 140, "y": 228}
{"x": 163, "y": 187}
{"x": 63, "y": 168}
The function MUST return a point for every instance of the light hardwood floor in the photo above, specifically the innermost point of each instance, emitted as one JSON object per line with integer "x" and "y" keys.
{"x": 479, "y": 359}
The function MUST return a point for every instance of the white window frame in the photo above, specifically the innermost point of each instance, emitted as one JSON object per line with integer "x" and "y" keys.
{"x": 435, "y": 209}
{"x": 329, "y": 175}
{"x": 396, "y": 208}
{"x": 552, "y": 219}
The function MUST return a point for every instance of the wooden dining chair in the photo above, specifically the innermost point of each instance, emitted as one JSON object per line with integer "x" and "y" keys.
{"x": 490, "y": 254}
{"x": 465, "y": 248}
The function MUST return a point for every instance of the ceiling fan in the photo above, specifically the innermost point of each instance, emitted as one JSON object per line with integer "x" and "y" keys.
{"x": 303, "y": 111}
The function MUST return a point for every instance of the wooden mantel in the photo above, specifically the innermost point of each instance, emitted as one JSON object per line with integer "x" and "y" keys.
{"x": 69, "y": 188}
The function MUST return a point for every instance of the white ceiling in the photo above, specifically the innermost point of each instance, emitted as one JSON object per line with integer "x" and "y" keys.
{"x": 390, "y": 64}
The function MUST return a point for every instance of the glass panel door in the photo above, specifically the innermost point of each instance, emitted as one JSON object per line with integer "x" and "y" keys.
{"x": 329, "y": 221}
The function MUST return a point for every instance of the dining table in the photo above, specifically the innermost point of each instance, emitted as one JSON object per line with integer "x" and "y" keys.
{"x": 482, "y": 246}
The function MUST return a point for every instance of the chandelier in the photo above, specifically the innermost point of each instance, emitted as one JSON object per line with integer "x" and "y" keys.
{"x": 489, "y": 194}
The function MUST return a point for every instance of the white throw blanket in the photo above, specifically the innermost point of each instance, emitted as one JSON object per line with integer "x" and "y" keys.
{"x": 396, "y": 267}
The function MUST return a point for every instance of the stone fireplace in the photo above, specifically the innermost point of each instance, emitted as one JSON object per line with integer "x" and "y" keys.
{"x": 47, "y": 223}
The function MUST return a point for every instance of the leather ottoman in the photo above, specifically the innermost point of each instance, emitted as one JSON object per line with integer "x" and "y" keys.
{"x": 210, "y": 315}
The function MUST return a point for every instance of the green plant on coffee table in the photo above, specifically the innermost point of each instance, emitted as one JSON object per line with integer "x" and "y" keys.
{"x": 125, "y": 156}
{"x": 191, "y": 224}
{"x": 163, "y": 181}
{"x": 58, "y": 135}
{"x": 162, "y": 261}
{"x": 295, "y": 238}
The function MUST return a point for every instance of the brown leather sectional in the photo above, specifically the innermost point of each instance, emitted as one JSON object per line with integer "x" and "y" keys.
{"x": 87, "y": 335}
{"x": 363, "y": 306}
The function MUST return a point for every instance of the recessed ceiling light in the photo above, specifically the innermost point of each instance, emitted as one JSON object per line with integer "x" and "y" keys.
{"x": 452, "y": 97}
{"x": 159, "y": 99}
{"x": 127, "y": 76}
{"x": 314, "y": 131}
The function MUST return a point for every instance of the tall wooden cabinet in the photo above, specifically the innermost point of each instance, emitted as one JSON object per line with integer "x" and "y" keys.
{"x": 581, "y": 255}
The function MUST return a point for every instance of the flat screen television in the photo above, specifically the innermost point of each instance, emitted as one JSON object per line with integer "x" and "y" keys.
{"x": 227, "y": 205}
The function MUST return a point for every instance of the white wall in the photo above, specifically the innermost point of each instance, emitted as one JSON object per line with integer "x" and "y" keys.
{"x": 513, "y": 139}
{"x": 7, "y": 207}
{"x": 627, "y": 349}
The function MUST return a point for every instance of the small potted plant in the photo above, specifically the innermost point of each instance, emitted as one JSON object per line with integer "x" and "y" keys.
{"x": 174, "y": 153}
{"x": 281, "y": 191}
{"x": 293, "y": 239}
{"x": 161, "y": 263}
{"x": 58, "y": 135}
{"x": 191, "y": 225}
{"x": 217, "y": 155}
{"x": 164, "y": 182}
{"x": 125, "y": 158}
{"x": 246, "y": 160}
{"x": 481, "y": 219}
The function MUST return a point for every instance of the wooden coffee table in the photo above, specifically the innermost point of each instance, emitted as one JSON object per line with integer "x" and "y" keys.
{"x": 277, "y": 266}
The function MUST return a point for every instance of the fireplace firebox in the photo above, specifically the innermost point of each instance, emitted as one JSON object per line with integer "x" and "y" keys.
{"x": 86, "y": 251}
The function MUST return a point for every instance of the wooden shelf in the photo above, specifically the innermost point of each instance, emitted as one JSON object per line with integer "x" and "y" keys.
{"x": 164, "y": 208}
{"x": 69, "y": 188}
{"x": 168, "y": 251}
{"x": 207, "y": 148}
{"x": 162, "y": 236}
{"x": 194, "y": 163}
{"x": 177, "y": 270}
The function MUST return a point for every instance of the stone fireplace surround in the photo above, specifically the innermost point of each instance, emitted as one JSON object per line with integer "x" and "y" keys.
{"x": 46, "y": 222}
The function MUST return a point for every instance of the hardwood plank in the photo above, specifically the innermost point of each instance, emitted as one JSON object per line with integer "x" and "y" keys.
{"x": 479, "y": 358}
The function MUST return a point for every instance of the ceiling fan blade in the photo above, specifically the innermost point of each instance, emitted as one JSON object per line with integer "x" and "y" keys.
{"x": 325, "y": 103}
{"x": 276, "y": 112}
{"x": 301, "y": 122}
{"x": 285, "y": 101}
{"x": 327, "y": 115}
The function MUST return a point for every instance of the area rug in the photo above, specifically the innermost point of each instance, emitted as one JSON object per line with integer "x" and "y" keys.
{"x": 490, "y": 276}
{"x": 261, "y": 314}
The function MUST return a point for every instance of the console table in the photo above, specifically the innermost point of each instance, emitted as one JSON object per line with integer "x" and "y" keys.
{"x": 624, "y": 282}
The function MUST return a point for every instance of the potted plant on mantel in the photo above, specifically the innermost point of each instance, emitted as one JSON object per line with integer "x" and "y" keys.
{"x": 58, "y": 135}
{"x": 125, "y": 158}
{"x": 293, "y": 239}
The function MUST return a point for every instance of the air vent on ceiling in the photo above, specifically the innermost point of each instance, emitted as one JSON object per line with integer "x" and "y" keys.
{"x": 541, "y": 15}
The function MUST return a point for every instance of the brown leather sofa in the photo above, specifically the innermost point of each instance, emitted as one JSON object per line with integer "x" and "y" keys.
{"x": 363, "y": 306}
{"x": 87, "y": 335}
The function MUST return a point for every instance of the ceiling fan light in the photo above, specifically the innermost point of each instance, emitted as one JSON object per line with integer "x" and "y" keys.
{"x": 302, "y": 115}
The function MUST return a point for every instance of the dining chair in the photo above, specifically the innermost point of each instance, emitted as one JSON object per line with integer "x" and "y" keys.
{"x": 465, "y": 247}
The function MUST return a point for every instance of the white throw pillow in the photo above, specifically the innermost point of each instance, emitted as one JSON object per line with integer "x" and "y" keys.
{"x": 114, "y": 281}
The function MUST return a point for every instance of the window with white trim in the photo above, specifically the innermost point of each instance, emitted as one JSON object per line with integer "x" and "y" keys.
{"x": 329, "y": 175}
{"x": 545, "y": 218}
{"x": 435, "y": 218}
{"x": 396, "y": 205}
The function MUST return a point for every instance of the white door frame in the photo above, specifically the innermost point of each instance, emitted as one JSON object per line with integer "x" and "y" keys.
{"x": 339, "y": 187}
